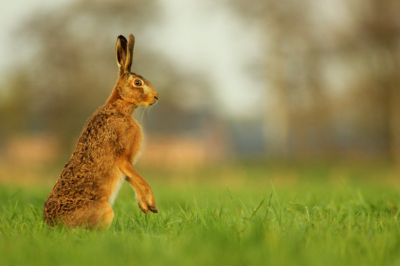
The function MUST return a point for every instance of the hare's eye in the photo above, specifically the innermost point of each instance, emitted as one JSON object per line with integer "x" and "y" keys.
{"x": 138, "y": 82}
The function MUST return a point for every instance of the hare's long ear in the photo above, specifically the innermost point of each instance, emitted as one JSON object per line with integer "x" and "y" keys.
{"x": 129, "y": 57}
{"x": 121, "y": 50}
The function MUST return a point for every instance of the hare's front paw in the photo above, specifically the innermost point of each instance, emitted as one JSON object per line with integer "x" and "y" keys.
{"x": 147, "y": 203}
{"x": 151, "y": 202}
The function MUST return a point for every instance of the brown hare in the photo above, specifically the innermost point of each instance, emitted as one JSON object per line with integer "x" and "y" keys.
{"x": 110, "y": 141}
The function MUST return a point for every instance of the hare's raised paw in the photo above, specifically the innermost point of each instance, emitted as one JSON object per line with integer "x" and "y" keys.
{"x": 146, "y": 209}
{"x": 141, "y": 201}
{"x": 151, "y": 203}
{"x": 153, "y": 209}
{"x": 145, "y": 205}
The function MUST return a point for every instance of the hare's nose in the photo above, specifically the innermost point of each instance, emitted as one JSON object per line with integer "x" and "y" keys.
{"x": 156, "y": 97}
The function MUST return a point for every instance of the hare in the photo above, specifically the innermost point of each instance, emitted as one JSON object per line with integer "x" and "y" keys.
{"x": 110, "y": 141}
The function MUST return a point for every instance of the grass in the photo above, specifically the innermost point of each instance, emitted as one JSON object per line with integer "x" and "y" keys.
{"x": 237, "y": 215}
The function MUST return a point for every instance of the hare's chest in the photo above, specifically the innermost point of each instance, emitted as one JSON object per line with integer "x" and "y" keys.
{"x": 135, "y": 139}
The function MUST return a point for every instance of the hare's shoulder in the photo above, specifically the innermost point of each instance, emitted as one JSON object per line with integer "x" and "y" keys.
{"x": 106, "y": 121}
{"x": 109, "y": 124}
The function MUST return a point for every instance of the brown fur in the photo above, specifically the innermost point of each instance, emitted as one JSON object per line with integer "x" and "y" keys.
{"x": 110, "y": 141}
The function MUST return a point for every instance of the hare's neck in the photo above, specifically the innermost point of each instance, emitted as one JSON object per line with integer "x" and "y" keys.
{"x": 114, "y": 96}
{"x": 124, "y": 107}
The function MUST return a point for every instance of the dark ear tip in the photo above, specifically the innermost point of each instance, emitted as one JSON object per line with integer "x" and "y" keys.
{"x": 121, "y": 37}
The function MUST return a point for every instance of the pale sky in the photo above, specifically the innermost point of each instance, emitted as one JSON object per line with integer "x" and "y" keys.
{"x": 209, "y": 40}
{"x": 12, "y": 13}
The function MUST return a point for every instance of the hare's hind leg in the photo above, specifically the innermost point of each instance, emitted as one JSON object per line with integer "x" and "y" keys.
{"x": 95, "y": 215}
{"x": 104, "y": 216}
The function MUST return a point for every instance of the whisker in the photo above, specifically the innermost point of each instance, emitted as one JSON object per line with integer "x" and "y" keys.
{"x": 139, "y": 114}
{"x": 143, "y": 110}
{"x": 148, "y": 113}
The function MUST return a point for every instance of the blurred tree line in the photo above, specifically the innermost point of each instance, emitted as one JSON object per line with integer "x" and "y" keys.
{"x": 72, "y": 69}
{"x": 331, "y": 71}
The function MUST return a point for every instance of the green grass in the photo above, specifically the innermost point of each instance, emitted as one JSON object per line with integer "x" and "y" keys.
{"x": 296, "y": 216}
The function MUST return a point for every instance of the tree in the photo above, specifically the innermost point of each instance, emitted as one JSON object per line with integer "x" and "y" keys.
{"x": 299, "y": 122}
{"x": 378, "y": 40}
{"x": 72, "y": 68}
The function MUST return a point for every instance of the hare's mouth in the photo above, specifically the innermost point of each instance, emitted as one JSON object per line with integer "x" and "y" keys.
{"x": 147, "y": 104}
{"x": 155, "y": 97}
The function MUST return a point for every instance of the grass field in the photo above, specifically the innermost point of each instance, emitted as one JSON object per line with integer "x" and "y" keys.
{"x": 227, "y": 215}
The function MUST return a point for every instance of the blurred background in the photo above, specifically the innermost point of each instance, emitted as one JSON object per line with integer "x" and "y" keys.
{"x": 263, "y": 83}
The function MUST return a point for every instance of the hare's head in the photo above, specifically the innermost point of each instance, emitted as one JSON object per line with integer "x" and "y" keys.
{"x": 131, "y": 87}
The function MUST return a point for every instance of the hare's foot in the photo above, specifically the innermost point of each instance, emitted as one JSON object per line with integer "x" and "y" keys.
{"x": 96, "y": 215}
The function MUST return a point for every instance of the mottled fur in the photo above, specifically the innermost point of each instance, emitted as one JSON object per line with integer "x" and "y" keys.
{"x": 110, "y": 141}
